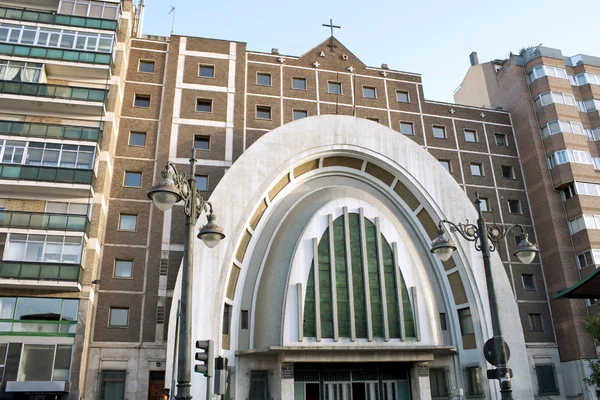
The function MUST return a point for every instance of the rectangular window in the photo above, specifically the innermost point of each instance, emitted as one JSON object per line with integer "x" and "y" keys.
{"x": 127, "y": 222}
{"x": 226, "y": 319}
{"x": 202, "y": 183}
{"x": 3, "y": 350}
{"x": 43, "y": 248}
{"x": 484, "y": 204}
{"x": 137, "y": 139}
{"x": 439, "y": 132}
{"x": 263, "y": 79}
{"x": 476, "y": 169}
{"x": 446, "y": 164}
{"x": 372, "y": 119}
{"x": 334, "y": 87}
{"x": 259, "y": 385}
{"x": 369, "y": 92}
{"x": 206, "y": 71}
{"x": 514, "y": 207}
{"x": 535, "y": 323}
{"x": 201, "y": 142}
{"x": 123, "y": 269}
{"x": 466, "y": 321}
{"x": 263, "y": 112}
{"x": 546, "y": 379}
{"x": 402, "y": 96}
{"x": 585, "y": 259}
{"x": 443, "y": 322}
{"x": 568, "y": 192}
{"x": 204, "y": 105}
{"x": 41, "y": 362}
{"x": 142, "y": 101}
{"x": 146, "y": 66}
{"x": 119, "y": 317}
{"x": 132, "y": 179}
{"x": 528, "y": 281}
{"x": 508, "y": 172}
{"x": 471, "y": 136}
{"x": 474, "y": 386}
{"x": 299, "y": 83}
{"x": 112, "y": 385}
{"x": 501, "y": 139}
{"x": 438, "y": 382}
{"x": 407, "y": 128}
{"x": 299, "y": 114}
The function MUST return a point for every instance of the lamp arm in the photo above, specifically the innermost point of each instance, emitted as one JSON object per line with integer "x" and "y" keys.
{"x": 466, "y": 230}
{"x": 496, "y": 233}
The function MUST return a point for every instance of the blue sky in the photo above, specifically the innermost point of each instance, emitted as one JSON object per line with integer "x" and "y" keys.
{"x": 430, "y": 37}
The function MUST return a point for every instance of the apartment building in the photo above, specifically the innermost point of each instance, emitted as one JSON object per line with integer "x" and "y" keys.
{"x": 554, "y": 101}
{"x": 61, "y": 80}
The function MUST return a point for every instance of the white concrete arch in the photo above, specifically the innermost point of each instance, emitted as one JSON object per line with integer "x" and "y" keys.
{"x": 276, "y": 154}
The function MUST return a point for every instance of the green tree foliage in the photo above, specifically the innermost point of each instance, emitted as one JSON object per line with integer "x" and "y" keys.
{"x": 592, "y": 326}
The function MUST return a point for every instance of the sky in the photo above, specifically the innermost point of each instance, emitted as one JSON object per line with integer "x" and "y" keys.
{"x": 430, "y": 37}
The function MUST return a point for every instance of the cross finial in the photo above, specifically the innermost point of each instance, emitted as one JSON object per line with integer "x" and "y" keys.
{"x": 331, "y": 26}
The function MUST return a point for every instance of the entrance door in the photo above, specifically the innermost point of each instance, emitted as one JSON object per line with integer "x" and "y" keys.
{"x": 156, "y": 388}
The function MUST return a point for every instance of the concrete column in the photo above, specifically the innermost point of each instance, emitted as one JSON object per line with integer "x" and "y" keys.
{"x": 286, "y": 381}
{"x": 419, "y": 379}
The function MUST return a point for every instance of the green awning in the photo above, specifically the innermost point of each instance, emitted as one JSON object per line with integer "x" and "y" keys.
{"x": 588, "y": 288}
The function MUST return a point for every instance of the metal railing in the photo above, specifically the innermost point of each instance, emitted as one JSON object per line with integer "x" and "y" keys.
{"x": 55, "y": 54}
{"x": 40, "y": 220}
{"x": 58, "y": 19}
{"x": 41, "y": 271}
{"x": 52, "y": 91}
{"x": 46, "y": 174}
{"x": 48, "y": 131}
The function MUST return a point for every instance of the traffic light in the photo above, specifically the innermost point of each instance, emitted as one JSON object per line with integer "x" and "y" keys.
{"x": 166, "y": 394}
{"x": 207, "y": 357}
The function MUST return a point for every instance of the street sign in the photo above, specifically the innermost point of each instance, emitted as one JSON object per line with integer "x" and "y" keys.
{"x": 491, "y": 353}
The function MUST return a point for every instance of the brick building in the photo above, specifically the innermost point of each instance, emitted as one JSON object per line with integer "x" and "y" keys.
{"x": 91, "y": 112}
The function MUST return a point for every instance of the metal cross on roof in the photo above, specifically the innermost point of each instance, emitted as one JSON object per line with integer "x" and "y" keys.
{"x": 331, "y": 26}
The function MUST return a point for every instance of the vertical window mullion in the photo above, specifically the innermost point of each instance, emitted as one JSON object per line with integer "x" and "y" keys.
{"x": 399, "y": 291}
{"x": 317, "y": 288}
{"x": 382, "y": 288}
{"x": 332, "y": 272}
{"x": 365, "y": 269}
{"x": 349, "y": 273}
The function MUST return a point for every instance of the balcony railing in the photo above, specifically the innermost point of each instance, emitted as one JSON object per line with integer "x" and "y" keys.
{"x": 37, "y": 220}
{"x": 52, "y": 91}
{"x": 55, "y": 54}
{"x": 58, "y": 19}
{"x": 46, "y": 174}
{"x": 28, "y": 129}
{"x": 43, "y": 271}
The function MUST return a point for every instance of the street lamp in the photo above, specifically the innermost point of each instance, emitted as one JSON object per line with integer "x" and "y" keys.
{"x": 486, "y": 240}
{"x": 173, "y": 188}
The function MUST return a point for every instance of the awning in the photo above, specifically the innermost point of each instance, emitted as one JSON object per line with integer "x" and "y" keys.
{"x": 588, "y": 288}
{"x": 37, "y": 386}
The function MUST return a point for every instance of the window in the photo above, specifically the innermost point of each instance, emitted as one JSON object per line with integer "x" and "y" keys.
{"x": 443, "y": 322}
{"x": 202, "y": 183}
{"x": 535, "y": 323}
{"x": 119, "y": 317}
{"x": 569, "y": 192}
{"x": 123, "y": 269}
{"x": 584, "y": 79}
{"x": 546, "y": 379}
{"x": 484, "y": 204}
{"x": 87, "y": 8}
{"x": 44, "y": 248}
{"x": 299, "y": 83}
{"x": 334, "y": 87}
{"x": 407, "y": 128}
{"x": 299, "y": 114}
{"x": 569, "y": 156}
{"x": 476, "y": 169}
{"x": 556, "y": 127}
{"x": 56, "y": 207}
{"x": 528, "y": 281}
{"x": 263, "y": 112}
{"x": 127, "y": 222}
{"x": 508, "y": 172}
{"x": 201, "y": 142}
{"x": 585, "y": 259}
{"x": 20, "y": 71}
{"x": 474, "y": 387}
{"x": 438, "y": 383}
{"x": 259, "y": 385}
{"x": 501, "y": 139}
{"x": 146, "y": 66}
{"x": 439, "y": 132}
{"x": 546, "y": 70}
{"x": 466, "y": 321}
{"x": 263, "y": 79}
{"x": 402, "y": 96}
{"x": 141, "y": 100}
{"x": 137, "y": 139}
{"x": 226, "y": 319}
{"x": 3, "y": 350}
{"x": 446, "y": 164}
{"x": 62, "y": 38}
{"x": 589, "y": 105}
{"x": 372, "y": 119}
{"x": 204, "y": 105}
{"x": 44, "y": 315}
{"x": 206, "y": 71}
{"x": 47, "y": 154}
{"x": 132, "y": 179}
{"x": 113, "y": 385}
{"x": 471, "y": 136}
{"x": 514, "y": 206}
{"x": 369, "y": 92}
{"x": 44, "y": 362}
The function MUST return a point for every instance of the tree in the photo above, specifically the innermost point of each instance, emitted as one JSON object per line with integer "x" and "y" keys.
{"x": 592, "y": 326}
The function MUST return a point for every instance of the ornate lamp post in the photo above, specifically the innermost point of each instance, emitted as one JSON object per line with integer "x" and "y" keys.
{"x": 173, "y": 188}
{"x": 486, "y": 238}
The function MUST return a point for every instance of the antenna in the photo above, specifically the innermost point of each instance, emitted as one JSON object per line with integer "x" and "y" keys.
{"x": 173, "y": 9}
